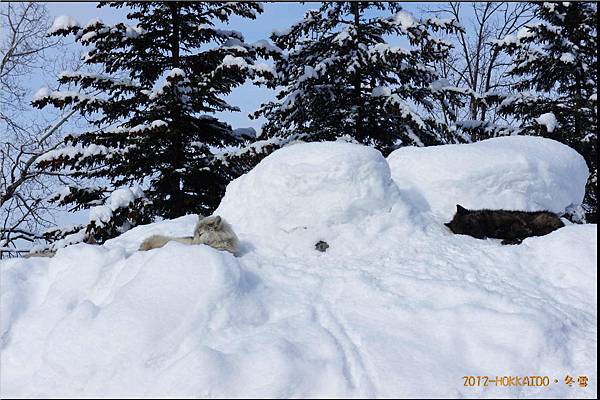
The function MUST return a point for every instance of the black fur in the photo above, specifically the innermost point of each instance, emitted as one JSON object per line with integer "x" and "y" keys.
{"x": 512, "y": 226}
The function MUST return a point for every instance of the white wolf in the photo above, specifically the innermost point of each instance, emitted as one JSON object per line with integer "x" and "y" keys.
{"x": 45, "y": 253}
{"x": 213, "y": 231}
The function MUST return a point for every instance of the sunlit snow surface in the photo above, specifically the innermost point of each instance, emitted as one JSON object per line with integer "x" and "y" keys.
{"x": 396, "y": 307}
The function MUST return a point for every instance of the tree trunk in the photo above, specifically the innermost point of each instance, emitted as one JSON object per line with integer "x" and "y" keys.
{"x": 357, "y": 77}
{"x": 177, "y": 200}
{"x": 578, "y": 105}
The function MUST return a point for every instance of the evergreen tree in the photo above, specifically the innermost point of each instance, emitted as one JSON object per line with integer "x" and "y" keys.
{"x": 341, "y": 78}
{"x": 555, "y": 61}
{"x": 163, "y": 76}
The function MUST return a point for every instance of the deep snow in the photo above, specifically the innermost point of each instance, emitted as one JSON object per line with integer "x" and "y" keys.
{"x": 396, "y": 307}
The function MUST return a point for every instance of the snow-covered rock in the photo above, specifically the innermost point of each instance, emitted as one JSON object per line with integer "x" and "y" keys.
{"x": 312, "y": 188}
{"x": 396, "y": 307}
{"x": 308, "y": 184}
{"x": 515, "y": 172}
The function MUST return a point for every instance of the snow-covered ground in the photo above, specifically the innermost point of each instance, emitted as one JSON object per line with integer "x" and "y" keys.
{"x": 396, "y": 307}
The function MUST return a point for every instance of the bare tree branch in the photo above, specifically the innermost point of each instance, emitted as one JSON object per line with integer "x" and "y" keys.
{"x": 24, "y": 135}
{"x": 475, "y": 63}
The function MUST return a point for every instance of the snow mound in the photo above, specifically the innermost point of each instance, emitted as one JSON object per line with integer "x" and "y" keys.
{"x": 311, "y": 187}
{"x": 516, "y": 172}
{"x": 189, "y": 321}
{"x": 88, "y": 319}
{"x": 396, "y": 307}
{"x": 311, "y": 183}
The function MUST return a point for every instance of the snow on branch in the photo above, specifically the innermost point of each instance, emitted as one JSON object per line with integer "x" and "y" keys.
{"x": 63, "y": 24}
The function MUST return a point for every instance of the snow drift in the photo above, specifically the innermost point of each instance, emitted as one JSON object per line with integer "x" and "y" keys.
{"x": 396, "y": 307}
{"x": 515, "y": 172}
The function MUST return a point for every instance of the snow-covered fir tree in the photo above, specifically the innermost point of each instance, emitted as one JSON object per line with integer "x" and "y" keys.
{"x": 156, "y": 144}
{"x": 556, "y": 61}
{"x": 340, "y": 77}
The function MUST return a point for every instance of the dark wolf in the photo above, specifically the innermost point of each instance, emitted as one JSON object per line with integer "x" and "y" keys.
{"x": 511, "y": 226}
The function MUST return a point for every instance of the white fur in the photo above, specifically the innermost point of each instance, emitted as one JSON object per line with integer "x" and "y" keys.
{"x": 40, "y": 254}
{"x": 217, "y": 233}
{"x": 157, "y": 241}
{"x": 212, "y": 231}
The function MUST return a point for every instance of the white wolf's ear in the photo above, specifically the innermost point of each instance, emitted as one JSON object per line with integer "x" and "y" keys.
{"x": 217, "y": 221}
{"x": 461, "y": 210}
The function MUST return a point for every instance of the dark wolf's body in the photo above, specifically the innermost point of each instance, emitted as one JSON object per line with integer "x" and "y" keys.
{"x": 511, "y": 226}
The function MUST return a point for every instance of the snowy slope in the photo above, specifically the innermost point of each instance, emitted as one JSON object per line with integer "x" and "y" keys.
{"x": 397, "y": 306}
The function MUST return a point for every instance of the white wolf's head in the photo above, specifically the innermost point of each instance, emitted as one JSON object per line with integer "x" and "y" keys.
{"x": 208, "y": 224}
